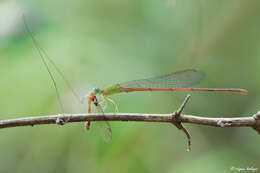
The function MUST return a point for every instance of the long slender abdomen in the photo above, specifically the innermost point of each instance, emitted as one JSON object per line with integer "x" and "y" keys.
{"x": 227, "y": 90}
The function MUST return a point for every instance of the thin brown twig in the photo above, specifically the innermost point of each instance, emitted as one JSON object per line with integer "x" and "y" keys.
{"x": 61, "y": 119}
{"x": 176, "y": 120}
{"x": 164, "y": 118}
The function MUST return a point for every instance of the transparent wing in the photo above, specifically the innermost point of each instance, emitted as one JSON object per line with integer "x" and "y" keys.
{"x": 104, "y": 127}
{"x": 178, "y": 79}
{"x": 105, "y": 130}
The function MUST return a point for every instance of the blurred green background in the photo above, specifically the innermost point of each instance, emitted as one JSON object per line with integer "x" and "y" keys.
{"x": 97, "y": 43}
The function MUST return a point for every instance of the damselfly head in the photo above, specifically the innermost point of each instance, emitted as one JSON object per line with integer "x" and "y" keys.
{"x": 96, "y": 91}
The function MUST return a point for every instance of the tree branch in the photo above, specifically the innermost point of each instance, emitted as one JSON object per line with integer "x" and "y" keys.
{"x": 164, "y": 118}
{"x": 175, "y": 118}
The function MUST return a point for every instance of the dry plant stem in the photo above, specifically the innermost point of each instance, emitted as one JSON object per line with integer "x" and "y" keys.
{"x": 163, "y": 118}
{"x": 175, "y": 118}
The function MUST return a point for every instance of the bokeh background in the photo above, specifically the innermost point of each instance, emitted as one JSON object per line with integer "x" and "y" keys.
{"x": 98, "y": 43}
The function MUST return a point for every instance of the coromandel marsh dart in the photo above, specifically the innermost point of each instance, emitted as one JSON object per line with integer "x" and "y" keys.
{"x": 177, "y": 81}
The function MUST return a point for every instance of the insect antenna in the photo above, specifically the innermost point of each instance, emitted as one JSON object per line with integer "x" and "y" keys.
{"x": 61, "y": 74}
{"x": 44, "y": 55}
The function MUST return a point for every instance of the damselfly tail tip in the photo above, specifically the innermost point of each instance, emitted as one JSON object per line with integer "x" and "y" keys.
{"x": 242, "y": 91}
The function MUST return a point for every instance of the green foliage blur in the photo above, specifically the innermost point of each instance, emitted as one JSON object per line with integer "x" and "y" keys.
{"x": 98, "y": 43}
